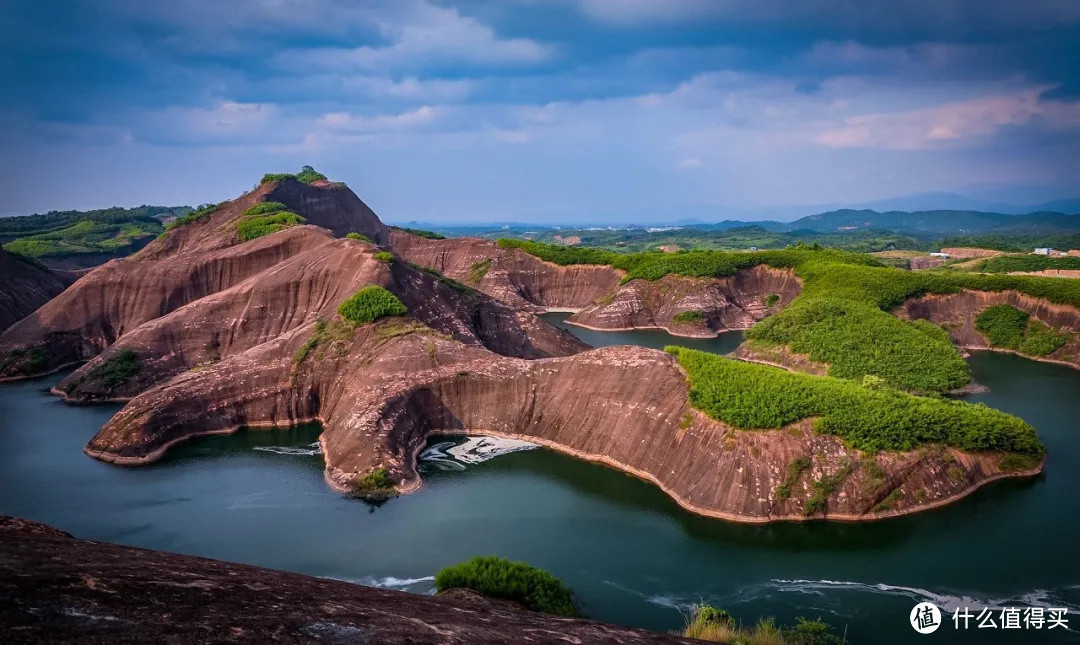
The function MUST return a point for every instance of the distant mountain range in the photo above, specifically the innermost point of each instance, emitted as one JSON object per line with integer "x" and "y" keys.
{"x": 933, "y": 222}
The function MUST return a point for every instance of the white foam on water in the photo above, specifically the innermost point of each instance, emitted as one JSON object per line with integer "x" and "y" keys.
{"x": 390, "y": 582}
{"x": 450, "y": 455}
{"x": 477, "y": 450}
{"x": 945, "y": 601}
{"x": 306, "y": 451}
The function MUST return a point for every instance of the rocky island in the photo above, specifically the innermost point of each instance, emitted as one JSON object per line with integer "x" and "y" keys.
{"x": 294, "y": 303}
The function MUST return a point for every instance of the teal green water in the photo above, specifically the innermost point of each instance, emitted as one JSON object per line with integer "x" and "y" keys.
{"x": 631, "y": 554}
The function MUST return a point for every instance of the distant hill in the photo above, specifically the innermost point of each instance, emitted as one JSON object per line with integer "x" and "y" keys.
{"x": 938, "y": 222}
{"x": 75, "y": 239}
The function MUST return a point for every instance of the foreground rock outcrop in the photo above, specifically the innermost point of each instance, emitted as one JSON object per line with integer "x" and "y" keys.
{"x": 57, "y": 589}
{"x": 25, "y": 286}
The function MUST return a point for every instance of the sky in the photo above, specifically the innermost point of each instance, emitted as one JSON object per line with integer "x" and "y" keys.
{"x": 556, "y": 111}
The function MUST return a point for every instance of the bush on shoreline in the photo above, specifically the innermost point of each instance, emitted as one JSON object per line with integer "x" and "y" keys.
{"x": 497, "y": 577}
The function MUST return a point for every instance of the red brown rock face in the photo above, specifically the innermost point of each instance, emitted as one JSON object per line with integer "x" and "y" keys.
{"x": 734, "y": 302}
{"x": 25, "y": 286}
{"x": 230, "y": 334}
{"x": 58, "y": 589}
{"x": 514, "y": 277}
{"x": 957, "y": 312}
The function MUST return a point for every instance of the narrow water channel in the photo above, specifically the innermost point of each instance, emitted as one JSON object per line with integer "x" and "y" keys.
{"x": 631, "y": 554}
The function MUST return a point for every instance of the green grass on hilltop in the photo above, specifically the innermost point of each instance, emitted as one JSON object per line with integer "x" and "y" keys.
{"x": 306, "y": 175}
{"x": 752, "y": 396}
{"x": 370, "y": 304}
{"x": 86, "y": 236}
{"x": 497, "y": 577}
{"x": 265, "y": 218}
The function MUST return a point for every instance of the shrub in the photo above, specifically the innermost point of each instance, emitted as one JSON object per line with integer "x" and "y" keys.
{"x": 1013, "y": 462}
{"x": 431, "y": 235}
{"x": 772, "y": 299}
{"x": 370, "y": 304}
{"x": 1011, "y": 328}
{"x": 716, "y": 625}
{"x": 478, "y": 270}
{"x": 794, "y": 472}
{"x": 753, "y": 396}
{"x": 690, "y": 317}
{"x": 194, "y": 216}
{"x": 265, "y": 218}
{"x": 306, "y": 175}
{"x": 374, "y": 486}
{"x": 384, "y": 256}
{"x": 497, "y": 577}
{"x": 359, "y": 236}
{"x": 116, "y": 370}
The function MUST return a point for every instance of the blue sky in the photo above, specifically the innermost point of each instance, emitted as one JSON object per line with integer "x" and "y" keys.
{"x": 540, "y": 110}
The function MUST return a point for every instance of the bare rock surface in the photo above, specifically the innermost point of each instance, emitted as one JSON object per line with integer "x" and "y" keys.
{"x": 510, "y": 275}
{"x": 25, "y": 286}
{"x": 58, "y": 589}
{"x": 713, "y": 304}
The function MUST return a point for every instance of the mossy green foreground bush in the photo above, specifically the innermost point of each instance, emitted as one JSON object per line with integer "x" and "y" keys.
{"x": 370, "y": 304}
{"x": 497, "y": 577}
{"x": 752, "y": 396}
{"x": 841, "y": 317}
{"x": 1011, "y": 328}
{"x": 265, "y": 218}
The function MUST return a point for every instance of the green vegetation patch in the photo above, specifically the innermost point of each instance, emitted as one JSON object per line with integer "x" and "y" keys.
{"x": 794, "y": 472}
{"x": 105, "y": 232}
{"x": 194, "y": 216}
{"x": 690, "y": 317}
{"x": 306, "y": 175}
{"x": 753, "y": 396}
{"x": 1013, "y": 462}
{"x": 384, "y": 256}
{"x": 497, "y": 577}
{"x": 1010, "y": 263}
{"x": 717, "y": 625}
{"x": 265, "y": 218}
{"x": 370, "y": 304}
{"x": 359, "y": 236}
{"x": 33, "y": 359}
{"x": 841, "y": 317}
{"x": 431, "y": 235}
{"x": 116, "y": 371}
{"x": 478, "y": 270}
{"x": 1011, "y": 328}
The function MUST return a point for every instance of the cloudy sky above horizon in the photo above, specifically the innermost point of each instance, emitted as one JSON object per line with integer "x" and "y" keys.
{"x": 540, "y": 110}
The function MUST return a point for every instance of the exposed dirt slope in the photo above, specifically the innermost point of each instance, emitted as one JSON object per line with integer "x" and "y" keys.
{"x": 510, "y": 275}
{"x": 957, "y": 312}
{"x": 713, "y": 304}
{"x": 380, "y": 393}
{"x": 58, "y": 589}
{"x": 25, "y": 286}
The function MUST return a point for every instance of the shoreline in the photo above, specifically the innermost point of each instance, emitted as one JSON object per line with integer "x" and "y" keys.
{"x": 715, "y": 334}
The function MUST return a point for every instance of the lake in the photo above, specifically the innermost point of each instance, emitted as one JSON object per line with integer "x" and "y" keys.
{"x": 632, "y": 555}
